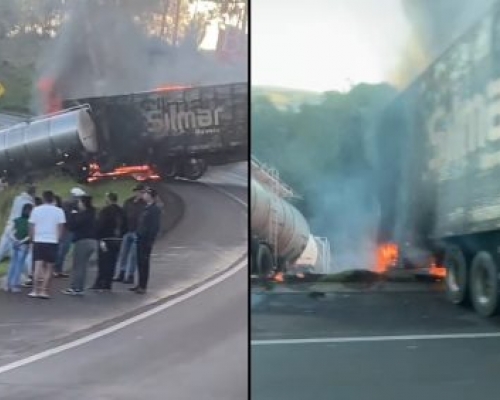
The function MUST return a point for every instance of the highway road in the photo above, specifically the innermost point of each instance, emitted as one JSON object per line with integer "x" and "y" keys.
{"x": 406, "y": 343}
{"x": 194, "y": 349}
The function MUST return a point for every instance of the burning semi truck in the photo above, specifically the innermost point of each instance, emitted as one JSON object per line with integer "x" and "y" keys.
{"x": 441, "y": 192}
{"x": 169, "y": 132}
{"x": 281, "y": 238}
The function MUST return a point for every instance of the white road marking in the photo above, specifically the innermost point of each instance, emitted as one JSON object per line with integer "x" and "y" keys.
{"x": 367, "y": 339}
{"x": 121, "y": 325}
{"x": 232, "y": 196}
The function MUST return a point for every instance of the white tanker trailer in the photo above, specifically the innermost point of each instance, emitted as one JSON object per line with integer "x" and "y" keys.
{"x": 178, "y": 132}
{"x": 43, "y": 142}
{"x": 281, "y": 237}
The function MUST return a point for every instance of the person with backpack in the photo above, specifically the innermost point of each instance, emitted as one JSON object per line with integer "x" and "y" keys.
{"x": 111, "y": 226}
{"x": 26, "y": 197}
{"x": 19, "y": 237}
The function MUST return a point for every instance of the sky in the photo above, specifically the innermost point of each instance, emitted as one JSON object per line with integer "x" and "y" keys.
{"x": 210, "y": 40}
{"x": 323, "y": 45}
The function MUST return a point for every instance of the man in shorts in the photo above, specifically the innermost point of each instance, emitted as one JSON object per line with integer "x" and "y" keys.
{"x": 46, "y": 228}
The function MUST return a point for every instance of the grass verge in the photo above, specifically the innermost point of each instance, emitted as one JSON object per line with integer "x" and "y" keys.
{"x": 61, "y": 186}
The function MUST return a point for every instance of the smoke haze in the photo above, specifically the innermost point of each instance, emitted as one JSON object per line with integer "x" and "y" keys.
{"x": 348, "y": 209}
{"x": 100, "y": 51}
{"x": 434, "y": 25}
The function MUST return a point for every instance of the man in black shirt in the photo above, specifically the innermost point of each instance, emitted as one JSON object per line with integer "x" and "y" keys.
{"x": 147, "y": 230}
{"x": 69, "y": 207}
{"x": 111, "y": 224}
{"x": 127, "y": 259}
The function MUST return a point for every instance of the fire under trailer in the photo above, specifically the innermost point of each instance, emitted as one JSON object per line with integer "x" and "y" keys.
{"x": 175, "y": 132}
{"x": 280, "y": 235}
{"x": 441, "y": 194}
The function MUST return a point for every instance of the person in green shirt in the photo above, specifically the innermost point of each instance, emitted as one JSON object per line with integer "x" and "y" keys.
{"x": 20, "y": 249}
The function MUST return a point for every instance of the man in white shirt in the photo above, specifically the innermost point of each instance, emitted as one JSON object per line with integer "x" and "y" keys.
{"x": 46, "y": 228}
{"x": 28, "y": 196}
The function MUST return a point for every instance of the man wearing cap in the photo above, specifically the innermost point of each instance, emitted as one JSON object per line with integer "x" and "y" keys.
{"x": 28, "y": 196}
{"x": 69, "y": 207}
{"x": 127, "y": 260}
{"x": 147, "y": 230}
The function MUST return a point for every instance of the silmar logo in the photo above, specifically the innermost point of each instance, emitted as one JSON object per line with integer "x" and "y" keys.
{"x": 198, "y": 120}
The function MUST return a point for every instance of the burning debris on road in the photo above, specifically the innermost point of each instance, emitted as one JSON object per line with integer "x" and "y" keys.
{"x": 385, "y": 269}
{"x": 138, "y": 172}
{"x": 388, "y": 257}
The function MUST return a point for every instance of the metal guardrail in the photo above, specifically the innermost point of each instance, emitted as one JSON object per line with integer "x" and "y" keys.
{"x": 269, "y": 177}
{"x": 60, "y": 112}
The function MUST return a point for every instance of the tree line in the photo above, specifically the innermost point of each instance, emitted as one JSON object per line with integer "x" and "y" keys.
{"x": 317, "y": 146}
{"x": 167, "y": 19}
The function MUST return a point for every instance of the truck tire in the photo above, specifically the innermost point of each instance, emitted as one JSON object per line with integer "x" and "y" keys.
{"x": 169, "y": 171}
{"x": 194, "y": 170}
{"x": 456, "y": 276}
{"x": 264, "y": 261}
{"x": 484, "y": 284}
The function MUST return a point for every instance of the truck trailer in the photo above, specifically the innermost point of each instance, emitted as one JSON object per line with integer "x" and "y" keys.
{"x": 178, "y": 132}
{"x": 280, "y": 235}
{"x": 440, "y": 169}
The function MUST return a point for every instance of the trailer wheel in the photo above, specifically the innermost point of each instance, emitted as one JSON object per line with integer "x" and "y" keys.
{"x": 169, "y": 170}
{"x": 456, "y": 276}
{"x": 265, "y": 261}
{"x": 194, "y": 169}
{"x": 484, "y": 284}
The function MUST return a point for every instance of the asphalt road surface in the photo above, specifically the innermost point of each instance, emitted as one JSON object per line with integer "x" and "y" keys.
{"x": 196, "y": 349}
{"x": 354, "y": 345}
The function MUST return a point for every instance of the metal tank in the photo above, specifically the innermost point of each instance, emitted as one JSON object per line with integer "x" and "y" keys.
{"x": 311, "y": 254}
{"x": 293, "y": 231}
{"x": 47, "y": 141}
{"x": 316, "y": 256}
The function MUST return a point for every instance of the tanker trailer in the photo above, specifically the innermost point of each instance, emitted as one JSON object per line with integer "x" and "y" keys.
{"x": 66, "y": 139}
{"x": 279, "y": 232}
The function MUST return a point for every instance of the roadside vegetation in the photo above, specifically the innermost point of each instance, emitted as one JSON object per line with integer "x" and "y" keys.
{"x": 28, "y": 28}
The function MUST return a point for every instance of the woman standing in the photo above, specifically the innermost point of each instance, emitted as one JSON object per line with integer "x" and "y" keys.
{"x": 83, "y": 225}
{"x": 20, "y": 249}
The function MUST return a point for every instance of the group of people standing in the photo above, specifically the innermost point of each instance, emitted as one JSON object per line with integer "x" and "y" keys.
{"x": 39, "y": 235}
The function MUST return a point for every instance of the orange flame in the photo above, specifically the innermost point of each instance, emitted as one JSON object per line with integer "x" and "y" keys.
{"x": 279, "y": 277}
{"x": 170, "y": 88}
{"x": 139, "y": 172}
{"x": 51, "y": 101}
{"x": 437, "y": 271}
{"x": 387, "y": 256}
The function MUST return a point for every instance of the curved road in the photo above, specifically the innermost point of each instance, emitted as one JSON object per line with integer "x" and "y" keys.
{"x": 195, "y": 349}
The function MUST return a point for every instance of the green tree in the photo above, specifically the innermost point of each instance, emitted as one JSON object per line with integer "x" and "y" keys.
{"x": 320, "y": 143}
